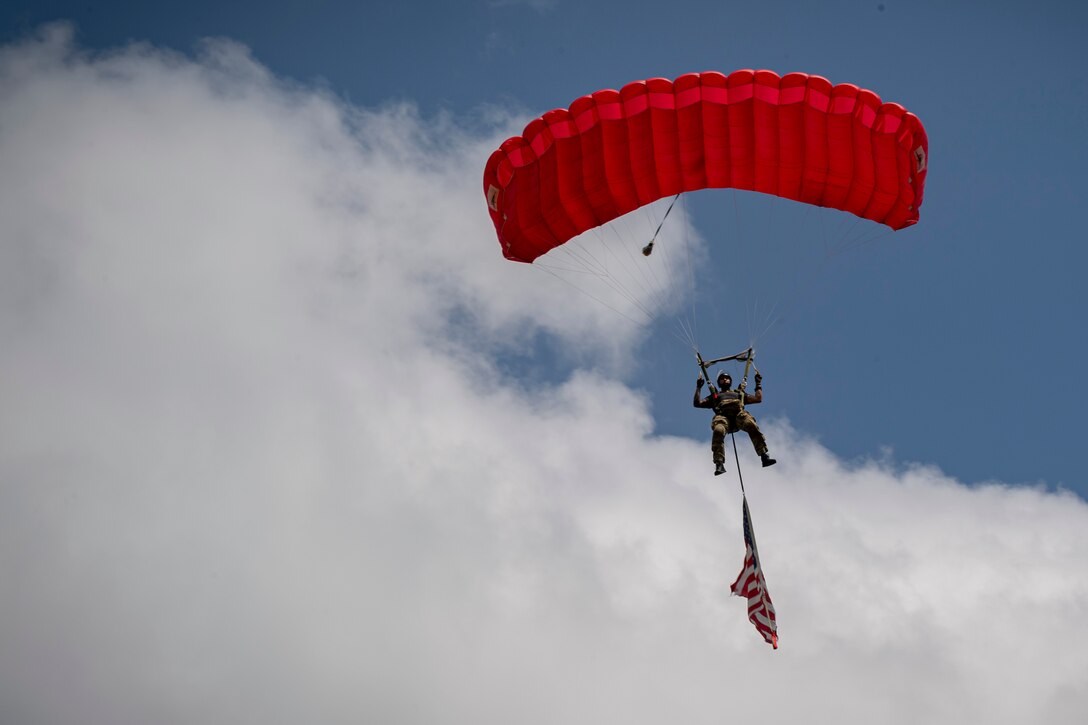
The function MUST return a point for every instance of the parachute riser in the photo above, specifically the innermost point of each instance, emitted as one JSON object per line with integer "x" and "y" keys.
{"x": 706, "y": 375}
{"x": 748, "y": 356}
{"x": 744, "y": 381}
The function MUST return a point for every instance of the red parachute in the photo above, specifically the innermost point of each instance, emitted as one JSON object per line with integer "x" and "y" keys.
{"x": 795, "y": 136}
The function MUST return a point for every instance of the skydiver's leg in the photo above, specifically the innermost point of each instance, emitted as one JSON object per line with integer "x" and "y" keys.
{"x": 747, "y": 423}
{"x": 719, "y": 426}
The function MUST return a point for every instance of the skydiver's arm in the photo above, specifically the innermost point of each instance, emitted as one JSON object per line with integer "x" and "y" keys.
{"x": 701, "y": 402}
{"x": 757, "y": 396}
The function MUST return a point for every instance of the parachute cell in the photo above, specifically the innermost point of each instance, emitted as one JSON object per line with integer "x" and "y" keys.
{"x": 795, "y": 136}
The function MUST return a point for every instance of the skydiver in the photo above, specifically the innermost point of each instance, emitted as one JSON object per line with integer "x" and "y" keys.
{"x": 730, "y": 416}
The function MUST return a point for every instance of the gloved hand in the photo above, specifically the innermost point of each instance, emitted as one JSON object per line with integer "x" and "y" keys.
{"x": 699, "y": 382}
{"x": 759, "y": 380}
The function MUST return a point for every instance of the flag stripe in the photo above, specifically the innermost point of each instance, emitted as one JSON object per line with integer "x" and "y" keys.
{"x": 751, "y": 585}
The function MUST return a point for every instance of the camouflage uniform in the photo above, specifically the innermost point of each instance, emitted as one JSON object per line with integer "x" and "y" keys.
{"x": 730, "y": 417}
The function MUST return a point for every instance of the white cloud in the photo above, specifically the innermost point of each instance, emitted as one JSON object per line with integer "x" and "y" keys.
{"x": 248, "y": 473}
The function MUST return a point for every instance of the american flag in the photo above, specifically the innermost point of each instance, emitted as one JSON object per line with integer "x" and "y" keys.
{"x": 751, "y": 584}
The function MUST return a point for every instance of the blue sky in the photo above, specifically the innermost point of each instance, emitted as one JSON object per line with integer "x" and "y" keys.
{"x": 955, "y": 343}
{"x": 281, "y": 432}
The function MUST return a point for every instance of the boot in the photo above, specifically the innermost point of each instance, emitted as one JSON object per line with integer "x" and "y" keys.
{"x": 767, "y": 460}
{"x": 719, "y": 469}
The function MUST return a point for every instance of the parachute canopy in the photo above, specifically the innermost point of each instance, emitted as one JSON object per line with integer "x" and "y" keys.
{"x": 795, "y": 136}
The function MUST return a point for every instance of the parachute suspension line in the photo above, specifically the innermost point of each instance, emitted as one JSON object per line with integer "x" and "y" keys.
{"x": 689, "y": 258}
{"x": 603, "y": 276}
{"x": 866, "y": 237}
{"x": 679, "y": 271}
{"x": 588, "y": 263}
{"x": 566, "y": 281}
{"x": 649, "y": 248}
{"x": 769, "y": 320}
{"x": 691, "y": 279}
{"x": 844, "y": 234}
{"x": 577, "y": 254}
{"x": 674, "y": 274}
{"x": 742, "y": 250}
{"x": 632, "y": 268}
{"x": 636, "y": 269}
{"x": 653, "y": 282}
{"x": 587, "y": 256}
{"x": 577, "y": 265}
{"x": 667, "y": 258}
{"x": 585, "y": 259}
{"x": 755, "y": 321}
{"x": 641, "y": 290}
{"x": 854, "y": 231}
{"x": 783, "y": 215}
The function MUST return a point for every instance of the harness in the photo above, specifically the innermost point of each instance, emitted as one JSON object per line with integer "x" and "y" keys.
{"x": 729, "y": 404}
{"x": 748, "y": 356}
